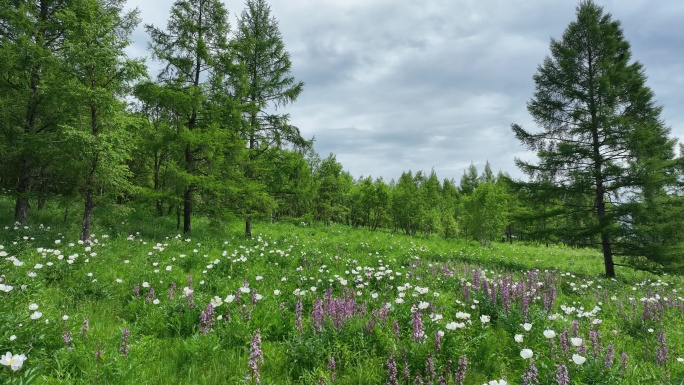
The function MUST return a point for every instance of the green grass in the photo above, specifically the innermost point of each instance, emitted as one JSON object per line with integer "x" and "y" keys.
{"x": 168, "y": 346}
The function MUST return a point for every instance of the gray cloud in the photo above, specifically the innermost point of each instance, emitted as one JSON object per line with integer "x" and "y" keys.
{"x": 393, "y": 86}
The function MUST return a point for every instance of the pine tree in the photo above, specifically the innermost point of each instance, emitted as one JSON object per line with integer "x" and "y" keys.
{"x": 594, "y": 110}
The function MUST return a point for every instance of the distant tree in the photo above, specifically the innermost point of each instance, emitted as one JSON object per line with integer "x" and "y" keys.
{"x": 602, "y": 136}
{"x": 406, "y": 204}
{"x": 268, "y": 85}
{"x": 333, "y": 188}
{"x": 486, "y": 213}
{"x": 469, "y": 180}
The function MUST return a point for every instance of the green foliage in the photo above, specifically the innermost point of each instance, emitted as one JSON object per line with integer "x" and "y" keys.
{"x": 601, "y": 133}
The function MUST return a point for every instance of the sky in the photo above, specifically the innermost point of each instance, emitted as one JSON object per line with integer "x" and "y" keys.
{"x": 398, "y": 85}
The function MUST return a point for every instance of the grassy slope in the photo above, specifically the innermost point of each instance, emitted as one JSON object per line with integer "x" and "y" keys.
{"x": 166, "y": 345}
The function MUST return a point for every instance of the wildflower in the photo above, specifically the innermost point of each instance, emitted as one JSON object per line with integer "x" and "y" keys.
{"x": 230, "y": 298}
{"x": 576, "y": 341}
{"x": 392, "y": 370}
{"x": 15, "y": 362}
{"x": 562, "y": 377}
{"x": 36, "y": 314}
{"x": 256, "y": 356}
{"x": 66, "y": 337}
{"x": 549, "y": 333}
{"x": 680, "y": 359}
{"x": 216, "y": 301}
{"x": 526, "y": 353}
{"x": 527, "y": 327}
{"x": 12, "y": 337}
{"x": 485, "y": 318}
{"x": 577, "y": 359}
{"x": 33, "y": 307}
{"x": 125, "y": 335}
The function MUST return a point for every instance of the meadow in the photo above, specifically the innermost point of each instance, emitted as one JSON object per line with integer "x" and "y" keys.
{"x": 311, "y": 304}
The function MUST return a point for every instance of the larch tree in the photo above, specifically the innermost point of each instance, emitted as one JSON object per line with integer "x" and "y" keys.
{"x": 30, "y": 105}
{"x": 193, "y": 52}
{"x": 595, "y": 111}
{"x": 269, "y": 85}
{"x": 100, "y": 76}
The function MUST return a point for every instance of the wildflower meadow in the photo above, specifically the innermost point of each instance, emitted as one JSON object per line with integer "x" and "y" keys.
{"x": 303, "y": 304}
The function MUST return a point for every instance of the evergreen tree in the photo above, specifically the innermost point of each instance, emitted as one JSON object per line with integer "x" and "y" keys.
{"x": 100, "y": 77}
{"x": 269, "y": 85}
{"x": 595, "y": 111}
{"x": 31, "y": 106}
{"x": 194, "y": 51}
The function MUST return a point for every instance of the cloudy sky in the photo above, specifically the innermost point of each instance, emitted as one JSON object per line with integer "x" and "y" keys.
{"x": 398, "y": 85}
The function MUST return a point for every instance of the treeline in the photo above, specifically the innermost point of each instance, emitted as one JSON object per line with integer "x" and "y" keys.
{"x": 82, "y": 122}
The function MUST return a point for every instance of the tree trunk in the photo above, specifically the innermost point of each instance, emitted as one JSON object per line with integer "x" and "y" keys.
{"x": 187, "y": 211}
{"x": 23, "y": 187}
{"x": 187, "y": 197}
{"x": 248, "y": 228}
{"x": 87, "y": 215}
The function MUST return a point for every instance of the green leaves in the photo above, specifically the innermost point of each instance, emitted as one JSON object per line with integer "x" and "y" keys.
{"x": 590, "y": 104}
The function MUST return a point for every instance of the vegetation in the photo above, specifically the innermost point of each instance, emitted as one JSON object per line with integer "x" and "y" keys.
{"x": 302, "y": 304}
{"x": 327, "y": 278}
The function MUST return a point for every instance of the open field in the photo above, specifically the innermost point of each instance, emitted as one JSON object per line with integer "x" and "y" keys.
{"x": 302, "y": 304}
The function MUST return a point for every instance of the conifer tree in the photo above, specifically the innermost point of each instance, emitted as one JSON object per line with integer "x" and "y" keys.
{"x": 269, "y": 85}
{"x": 601, "y": 135}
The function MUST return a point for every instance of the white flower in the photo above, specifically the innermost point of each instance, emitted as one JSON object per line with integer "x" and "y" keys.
{"x": 230, "y": 298}
{"x": 13, "y": 361}
{"x": 216, "y": 301}
{"x": 526, "y": 353}
{"x": 451, "y": 326}
{"x": 423, "y": 305}
{"x": 33, "y": 307}
{"x": 146, "y": 284}
{"x": 168, "y": 268}
{"x": 518, "y": 338}
{"x": 527, "y": 327}
{"x": 156, "y": 301}
{"x": 680, "y": 359}
{"x": 36, "y": 315}
{"x": 485, "y": 318}
{"x": 650, "y": 330}
{"x": 374, "y": 295}
{"x": 576, "y": 341}
{"x": 244, "y": 289}
{"x": 549, "y": 334}
{"x": 12, "y": 337}
{"x": 65, "y": 317}
{"x": 579, "y": 360}
{"x": 187, "y": 291}
{"x": 462, "y": 315}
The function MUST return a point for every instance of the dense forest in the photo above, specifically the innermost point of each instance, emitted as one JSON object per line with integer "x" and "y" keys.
{"x": 83, "y": 124}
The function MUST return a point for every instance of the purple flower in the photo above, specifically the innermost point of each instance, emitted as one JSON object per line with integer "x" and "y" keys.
{"x": 317, "y": 316}
{"x": 66, "y": 337}
{"x": 256, "y": 357}
{"x": 392, "y": 370}
{"x": 417, "y": 327}
{"x": 298, "y": 315}
{"x": 610, "y": 354}
{"x": 661, "y": 352}
{"x": 562, "y": 377}
{"x": 461, "y": 372}
{"x": 124, "y": 348}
